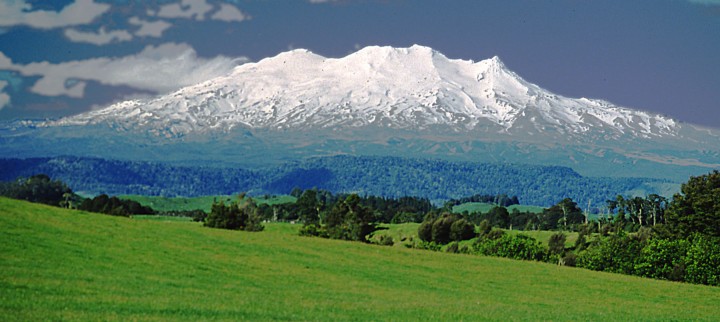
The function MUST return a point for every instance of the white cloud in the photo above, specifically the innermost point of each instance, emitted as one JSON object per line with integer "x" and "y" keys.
{"x": 101, "y": 37}
{"x": 4, "y": 97}
{"x": 228, "y": 12}
{"x": 5, "y": 62}
{"x": 159, "y": 69}
{"x": 149, "y": 29}
{"x": 193, "y": 9}
{"x": 14, "y": 13}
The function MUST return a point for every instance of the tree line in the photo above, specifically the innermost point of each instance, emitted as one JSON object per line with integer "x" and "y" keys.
{"x": 676, "y": 240}
{"x": 391, "y": 177}
{"x": 42, "y": 189}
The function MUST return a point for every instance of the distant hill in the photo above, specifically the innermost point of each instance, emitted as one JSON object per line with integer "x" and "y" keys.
{"x": 381, "y": 176}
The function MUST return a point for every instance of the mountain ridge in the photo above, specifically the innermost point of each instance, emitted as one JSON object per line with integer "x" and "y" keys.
{"x": 407, "y": 88}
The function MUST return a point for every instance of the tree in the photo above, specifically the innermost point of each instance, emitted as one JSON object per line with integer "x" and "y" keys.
{"x": 240, "y": 215}
{"x": 564, "y": 213}
{"x": 697, "y": 208}
{"x": 703, "y": 261}
{"x": 308, "y": 207}
{"x": 115, "y": 206}
{"x": 617, "y": 253}
{"x": 663, "y": 259}
{"x": 425, "y": 231}
{"x": 657, "y": 204}
{"x": 445, "y": 228}
{"x": 556, "y": 244}
{"x": 441, "y": 228}
{"x": 462, "y": 229}
{"x": 499, "y": 217}
{"x": 349, "y": 220}
{"x": 638, "y": 208}
{"x": 39, "y": 188}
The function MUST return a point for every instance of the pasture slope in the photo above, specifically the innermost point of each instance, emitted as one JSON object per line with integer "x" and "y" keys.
{"x": 57, "y": 264}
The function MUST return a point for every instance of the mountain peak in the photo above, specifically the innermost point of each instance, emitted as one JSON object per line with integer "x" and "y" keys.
{"x": 375, "y": 53}
{"x": 496, "y": 61}
{"x": 410, "y": 88}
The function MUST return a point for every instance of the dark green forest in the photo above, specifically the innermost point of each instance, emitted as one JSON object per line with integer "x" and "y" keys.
{"x": 435, "y": 180}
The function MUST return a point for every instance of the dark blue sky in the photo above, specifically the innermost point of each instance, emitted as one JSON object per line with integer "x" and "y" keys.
{"x": 64, "y": 57}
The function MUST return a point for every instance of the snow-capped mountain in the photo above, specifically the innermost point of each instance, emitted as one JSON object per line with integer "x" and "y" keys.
{"x": 406, "y": 102}
{"x": 403, "y": 88}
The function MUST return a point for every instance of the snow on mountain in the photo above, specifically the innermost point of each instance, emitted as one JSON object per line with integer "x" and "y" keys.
{"x": 406, "y": 88}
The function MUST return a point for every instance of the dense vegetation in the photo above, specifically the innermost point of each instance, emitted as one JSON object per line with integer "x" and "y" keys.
{"x": 40, "y": 189}
{"x": 436, "y": 180}
{"x": 239, "y": 215}
{"x": 115, "y": 206}
{"x": 500, "y": 200}
{"x": 677, "y": 240}
{"x": 58, "y": 264}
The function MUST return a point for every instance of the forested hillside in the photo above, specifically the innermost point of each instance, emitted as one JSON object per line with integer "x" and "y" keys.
{"x": 381, "y": 176}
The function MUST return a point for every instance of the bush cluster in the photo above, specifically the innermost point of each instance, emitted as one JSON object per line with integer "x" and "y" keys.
{"x": 239, "y": 215}
{"x": 445, "y": 228}
{"x": 114, "y": 206}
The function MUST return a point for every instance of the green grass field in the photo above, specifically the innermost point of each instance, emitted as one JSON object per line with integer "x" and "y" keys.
{"x": 57, "y": 264}
{"x": 202, "y": 203}
{"x": 404, "y": 234}
{"x": 471, "y": 207}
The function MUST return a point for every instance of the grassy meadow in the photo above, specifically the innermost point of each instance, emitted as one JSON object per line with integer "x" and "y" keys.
{"x": 192, "y": 203}
{"x": 57, "y": 264}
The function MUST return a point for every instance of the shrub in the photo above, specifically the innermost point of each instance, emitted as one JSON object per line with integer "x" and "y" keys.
{"x": 114, "y": 206}
{"x": 311, "y": 230}
{"x": 494, "y": 234}
{"x": 512, "y": 246}
{"x": 570, "y": 259}
{"x": 453, "y": 248}
{"x": 615, "y": 254}
{"x": 425, "y": 231}
{"x": 556, "y": 244}
{"x": 703, "y": 261}
{"x": 405, "y": 217}
{"x": 663, "y": 259}
{"x": 484, "y": 228}
{"x": 445, "y": 228}
{"x": 462, "y": 229}
{"x": 441, "y": 229}
{"x": 385, "y": 240}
